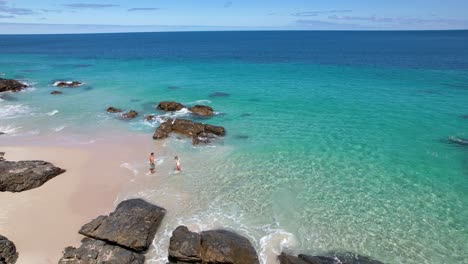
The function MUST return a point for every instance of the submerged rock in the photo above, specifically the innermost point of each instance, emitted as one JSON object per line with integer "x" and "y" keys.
{"x": 170, "y": 106}
{"x": 18, "y": 176}
{"x": 8, "y": 85}
{"x": 214, "y": 246}
{"x": 189, "y": 128}
{"x": 8, "y": 254}
{"x": 132, "y": 225}
{"x": 149, "y": 117}
{"x": 202, "y": 110}
{"x": 69, "y": 84}
{"x": 219, "y": 94}
{"x": 130, "y": 114}
{"x": 113, "y": 110}
{"x": 459, "y": 141}
{"x": 56, "y": 92}
{"x": 94, "y": 251}
{"x": 330, "y": 258}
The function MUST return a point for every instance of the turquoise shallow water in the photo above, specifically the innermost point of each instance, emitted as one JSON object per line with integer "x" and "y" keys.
{"x": 325, "y": 155}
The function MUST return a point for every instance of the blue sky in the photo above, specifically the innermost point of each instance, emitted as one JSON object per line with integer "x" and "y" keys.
{"x": 76, "y": 16}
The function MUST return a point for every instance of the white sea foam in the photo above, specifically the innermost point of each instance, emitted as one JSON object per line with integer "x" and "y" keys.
{"x": 274, "y": 243}
{"x": 157, "y": 120}
{"x": 129, "y": 167}
{"x": 201, "y": 102}
{"x": 54, "y": 112}
{"x": 58, "y": 129}
{"x": 14, "y": 110}
{"x": 9, "y": 129}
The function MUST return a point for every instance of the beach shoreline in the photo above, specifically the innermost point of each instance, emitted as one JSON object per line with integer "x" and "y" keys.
{"x": 43, "y": 221}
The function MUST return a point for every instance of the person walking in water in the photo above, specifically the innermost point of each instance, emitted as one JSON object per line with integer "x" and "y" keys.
{"x": 177, "y": 163}
{"x": 152, "y": 165}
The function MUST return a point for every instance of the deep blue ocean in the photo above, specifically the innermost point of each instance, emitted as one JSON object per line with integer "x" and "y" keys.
{"x": 336, "y": 140}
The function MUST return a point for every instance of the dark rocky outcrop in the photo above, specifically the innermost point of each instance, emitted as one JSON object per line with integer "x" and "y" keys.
{"x": 130, "y": 114}
{"x": 67, "y": 84}
{"x": 94, "y": 251}
{"x": 18, "y": 176}
{"x": 214, "y": 246}
{"x": 8, "y": 85}
{"x": 56, "y": 92}
{"x": 189, "y": 128}
{"x": 202, "y": 110}
{"x": 132, "y": 225}
{"x": 8, "y": 254}
{"x": 119, "y": 238}
{"x": 170, "y": 106}
{"x": 149, "y": 117}
{"x": 330, "y": 258}
{"x": 219, "y": 94}
{"x": 113, "y": 110}
{"x": 458, "y": 141}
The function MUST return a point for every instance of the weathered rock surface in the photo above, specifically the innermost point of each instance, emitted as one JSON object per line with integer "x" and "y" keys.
{"x": 130, "y": 114}
{"x": 113, "y": 110}
{"x": 94, "y": 251}
{"x": 8, "y": 254}
{"x": 189, "y": 128}
{"x": 17, "y": 176}
{"x": 330, "y": 258}
{"x": 170, "y": 106}
{"x": 69, "y": 84}
{"x": 132, "y": 225}
{"x": 8, "y": 85}
{"x": 202, "y": 110}
{"x": 56, "y": 92}
{"x": 214, "y": 246}
{"x": 459, "y": 141}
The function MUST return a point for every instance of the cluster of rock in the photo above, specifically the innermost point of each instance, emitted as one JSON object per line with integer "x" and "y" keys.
{"x": 201, "y": 110}
{"x": 119, "y": 238}
{"x": 67, "y": 84}
{"x": 214, "y": 246}
{"x": 8, "y": 85}
{"x": 8, "y": 254}
{"x": 331, "y": 258}
{"x": 200, "y": 133}
{"x": 18, "y": 176}
{"x": 127, "y": 115}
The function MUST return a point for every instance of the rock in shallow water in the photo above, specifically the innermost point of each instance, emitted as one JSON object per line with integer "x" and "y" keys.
{"x": 202, "y": 110}
{"x": 130, "y": 114}
{"x": 330, "y": 258}
{"x": 459, "y": 141}
{"x": 8, "y": 85}
{"x": 214, "y": 246}
{"x": 132, "y": 225}
{"x": 113, "y": 110}
{"x": 68, "y": 84}
{"x": 56, "y": 92}
{"x": 17, "y": 176}
{"x": 189, "y": 128}
{"x": 170, "y": 106}
{"x": 8, "y": 254}
{"x": 94, "y": 251}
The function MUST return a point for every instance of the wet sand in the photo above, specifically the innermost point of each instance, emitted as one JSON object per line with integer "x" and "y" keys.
{"x": 43, "y": 221}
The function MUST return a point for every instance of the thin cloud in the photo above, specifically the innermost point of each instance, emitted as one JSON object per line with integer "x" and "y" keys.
{"x": 143, "y": 9}
{"x": 397, "y": 20}
{"x": 15, "y": 11}
{"x": 2, "y": 16}
{"x": 316, "y": 13}
{"x": 228, "y": 4}
{"x": 91, "y": 6}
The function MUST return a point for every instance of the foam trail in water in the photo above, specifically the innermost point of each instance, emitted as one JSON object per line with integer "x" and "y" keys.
{"x": 54, "y": 112}
{"x": 15, "y": 110}
{"x": 60, "y": 128}
{"x": 9, "y": 129}
{"x": 273, "y": 244}
{"x": 129, "y": 167}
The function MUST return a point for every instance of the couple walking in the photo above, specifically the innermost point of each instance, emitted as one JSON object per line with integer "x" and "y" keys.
{"x": 153, "y": 165}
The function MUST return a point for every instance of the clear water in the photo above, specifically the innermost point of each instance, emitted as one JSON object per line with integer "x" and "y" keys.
{"x": 336, "y": 140}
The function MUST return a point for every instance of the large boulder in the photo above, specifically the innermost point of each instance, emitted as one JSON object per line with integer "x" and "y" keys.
{"x": 214, "y": 246}
{"x": 8, "y": 254}
{"x": 170, "y": 106}
{"x": 329, "y": 258}
{"x": 132, "y": 225}
{"x": 94, "y": 251}
{"x": 202, "y": 110}
{"x": 17, "y": 176}
{"x": 67, "y": 84}
{"x": 196, "y": 131}
{"x": 8, "y": 85}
